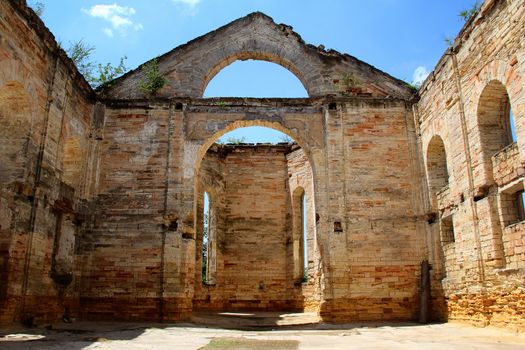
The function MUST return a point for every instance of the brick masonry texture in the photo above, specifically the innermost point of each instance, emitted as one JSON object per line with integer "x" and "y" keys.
{"x": 252, "y": 211}
{"x": 466, "y": 103}
{"x": 101, "y": 193}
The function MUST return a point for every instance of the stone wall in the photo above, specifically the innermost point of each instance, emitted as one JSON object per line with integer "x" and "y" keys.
{"x": 372, "y": 197}
{"x": 45, "y": 117}
{"x": 256, "y": 36}
{"x": 121, "y": 245}
{"x": 476, "y": 238}
{"x": 255, "y": 245}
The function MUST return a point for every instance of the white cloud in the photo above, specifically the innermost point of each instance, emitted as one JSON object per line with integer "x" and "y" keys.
{"x": 191, "y": 5}
{"x": 118, "y": 16}
{"x": 108, "y": 32}
{"x": 419, "y": 76}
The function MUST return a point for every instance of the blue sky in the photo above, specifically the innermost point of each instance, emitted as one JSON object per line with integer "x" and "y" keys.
{"x": 400, "y": 37}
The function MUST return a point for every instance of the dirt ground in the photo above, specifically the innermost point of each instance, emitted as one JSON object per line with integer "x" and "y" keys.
{"x": 128, "y": 336}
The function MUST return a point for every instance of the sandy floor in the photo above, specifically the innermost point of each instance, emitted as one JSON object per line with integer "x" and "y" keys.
{"x": 128, "y": 336}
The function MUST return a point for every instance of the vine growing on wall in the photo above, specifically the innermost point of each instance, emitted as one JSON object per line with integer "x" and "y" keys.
{"x": 96, "y": 74}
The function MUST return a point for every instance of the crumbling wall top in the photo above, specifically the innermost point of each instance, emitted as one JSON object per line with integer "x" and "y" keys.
{"x": 190, "y": 67}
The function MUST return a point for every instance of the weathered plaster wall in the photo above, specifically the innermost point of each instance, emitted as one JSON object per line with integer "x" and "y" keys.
{"x": 480, "y": 265}
{"x": 45, "y": 117}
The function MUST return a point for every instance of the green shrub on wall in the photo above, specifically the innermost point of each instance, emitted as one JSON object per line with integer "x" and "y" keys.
{"x": 153, "y": 80}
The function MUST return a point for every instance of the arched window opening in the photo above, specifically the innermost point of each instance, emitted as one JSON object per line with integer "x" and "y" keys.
{"x": 495, "y": 119}
{"x": 254, "y": 78}
{"x": 437, "y": 169}
{"x": 300, "y": 255}
{"x": 208, "y": 242}
{"x": 448, "y": 238}
{"x": 512, "y": 126}
{"x": 304, "y": 236}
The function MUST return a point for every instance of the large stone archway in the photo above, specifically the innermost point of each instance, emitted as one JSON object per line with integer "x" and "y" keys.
{"x": 253, "y": 255}
{"x": 208, "y": 120}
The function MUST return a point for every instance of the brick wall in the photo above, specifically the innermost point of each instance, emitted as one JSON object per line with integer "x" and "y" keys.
{"x": 43, "y": 104}
{"x": 250, "y": 206}
{"x": 467, "y": 102}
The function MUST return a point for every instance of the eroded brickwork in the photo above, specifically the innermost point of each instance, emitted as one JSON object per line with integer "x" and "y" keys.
{"x": 44, "y": 104}
{"x": 476, "y": 231}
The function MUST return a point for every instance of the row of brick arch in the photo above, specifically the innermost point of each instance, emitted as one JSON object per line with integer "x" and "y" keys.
{"x": 496, "y": 128}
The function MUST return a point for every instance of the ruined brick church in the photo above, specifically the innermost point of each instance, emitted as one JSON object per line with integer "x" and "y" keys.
{"x": 102, "y": 192}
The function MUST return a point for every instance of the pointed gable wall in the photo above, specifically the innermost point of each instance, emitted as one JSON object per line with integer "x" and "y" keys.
{"x": 190, "y": 67}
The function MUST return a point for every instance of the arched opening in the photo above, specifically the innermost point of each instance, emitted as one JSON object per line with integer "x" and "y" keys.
{"x": 305, "y": 237}
{"x": 262, "y": 209}
{"x": 205, "y": 228}
{"x": 495, "y": 122}
{"x": 208, "y": 241}
{"x": 257, "y": 56}
{"x": 437, "y": 169}
{"x": 255, "y": 79}
{"x": 497, "y": 139}
{"x": 447, "y": 238}
{"x": 300, "y": 235}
